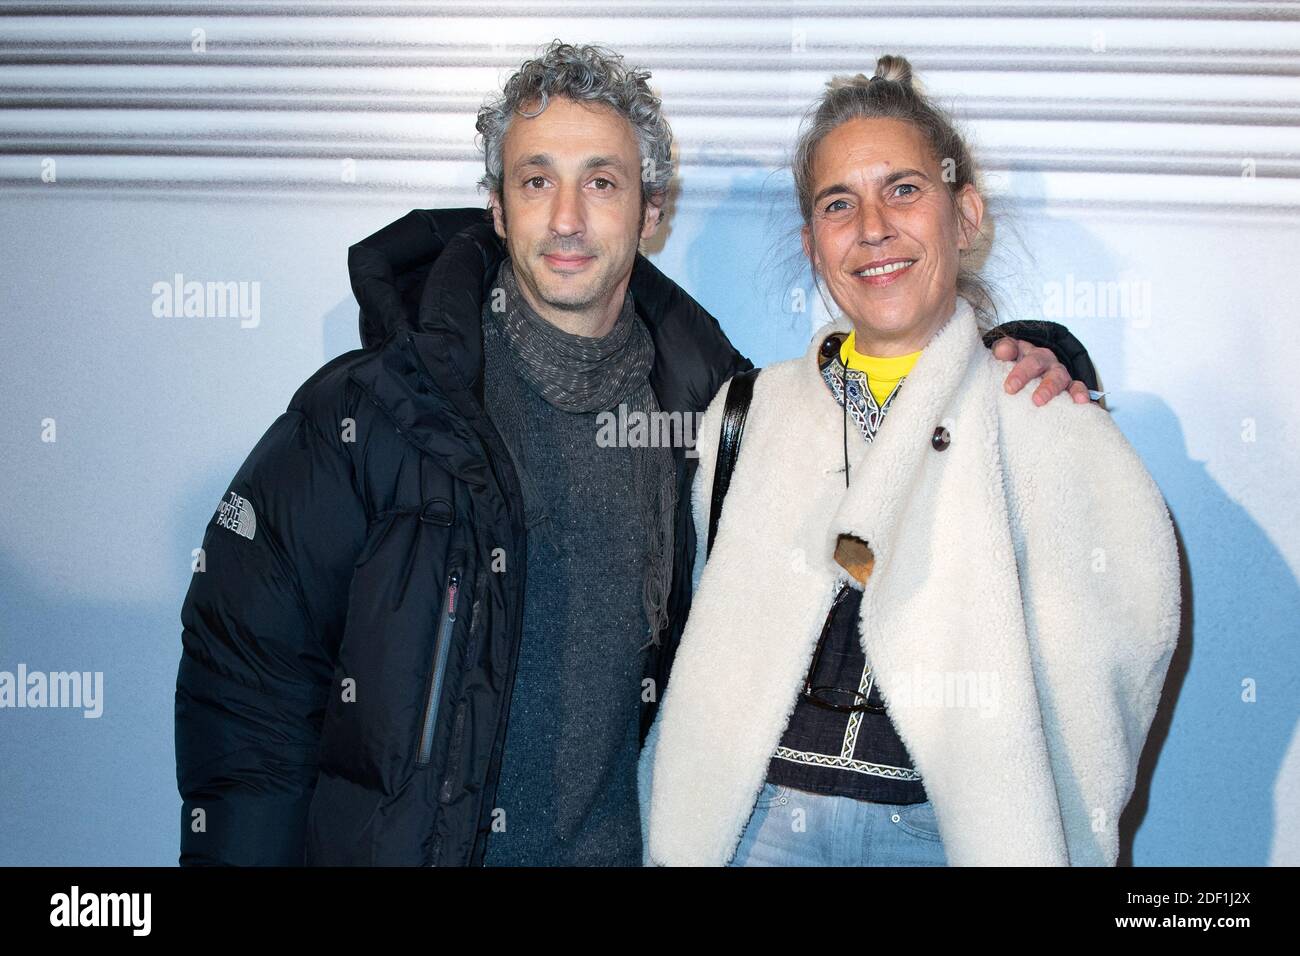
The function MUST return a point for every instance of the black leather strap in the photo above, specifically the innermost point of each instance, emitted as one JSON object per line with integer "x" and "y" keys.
{"x": 734, "y": 411}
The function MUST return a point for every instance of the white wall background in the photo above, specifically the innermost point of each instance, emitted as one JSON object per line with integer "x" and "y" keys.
{"x": 1155, "y": 145}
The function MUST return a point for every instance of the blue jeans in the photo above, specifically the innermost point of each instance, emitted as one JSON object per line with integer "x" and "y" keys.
{"x": 795, "y": 828}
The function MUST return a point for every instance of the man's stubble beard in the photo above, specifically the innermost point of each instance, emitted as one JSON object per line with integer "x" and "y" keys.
{"x": 602, "y": 282}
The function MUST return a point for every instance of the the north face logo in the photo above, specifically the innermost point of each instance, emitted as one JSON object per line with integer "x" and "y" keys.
{"x": 236, "y": 514}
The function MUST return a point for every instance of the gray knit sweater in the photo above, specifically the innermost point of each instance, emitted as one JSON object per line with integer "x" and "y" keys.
{"x": 568, "y": 775}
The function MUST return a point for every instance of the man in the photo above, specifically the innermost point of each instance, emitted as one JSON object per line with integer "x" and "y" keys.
{"x": 437, "y": 613}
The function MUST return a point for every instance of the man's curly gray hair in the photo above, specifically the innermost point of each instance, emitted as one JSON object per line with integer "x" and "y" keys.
{"x": 582, "y": 73}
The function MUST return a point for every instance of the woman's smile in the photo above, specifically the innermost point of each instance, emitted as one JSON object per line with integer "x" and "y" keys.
{"x": 882, "y": 272}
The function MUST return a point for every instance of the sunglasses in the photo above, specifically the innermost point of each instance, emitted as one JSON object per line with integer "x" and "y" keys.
{"x": 835, "y": 698}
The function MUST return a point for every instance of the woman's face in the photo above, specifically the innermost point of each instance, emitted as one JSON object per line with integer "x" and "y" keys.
{"x": 884, "y": 235}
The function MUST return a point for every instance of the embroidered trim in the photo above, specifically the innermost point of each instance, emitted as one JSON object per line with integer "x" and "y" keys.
{"x": 855, "y": 718}
{"x": 862, "y": 404}
{"x": 843, "y": 763}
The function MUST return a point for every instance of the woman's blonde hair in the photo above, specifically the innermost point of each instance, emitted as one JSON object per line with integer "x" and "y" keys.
{"x": 891, "y": 93}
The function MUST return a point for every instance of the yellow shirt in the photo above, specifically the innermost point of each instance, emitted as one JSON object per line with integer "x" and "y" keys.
{"x": 882, "y": 373}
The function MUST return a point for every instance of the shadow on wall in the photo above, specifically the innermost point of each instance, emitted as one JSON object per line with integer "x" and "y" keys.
{"x": 1216, "y": 781}
{"x": 340, "y": 330}
{"x": 746, "y": 266}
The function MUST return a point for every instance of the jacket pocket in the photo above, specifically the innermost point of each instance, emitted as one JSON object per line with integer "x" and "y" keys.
{"x": 446, "y": 627}
{"x": 918, "y": 819}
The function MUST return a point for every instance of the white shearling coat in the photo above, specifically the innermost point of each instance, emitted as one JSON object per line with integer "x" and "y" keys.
{"x": 1020, "y": 616}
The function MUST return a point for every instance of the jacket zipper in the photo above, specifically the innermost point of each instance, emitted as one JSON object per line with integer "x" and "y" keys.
{"x": 458, "y": 724}
{"x": 441, "y": 651}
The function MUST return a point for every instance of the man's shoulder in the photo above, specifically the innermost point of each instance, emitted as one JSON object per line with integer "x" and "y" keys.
{"x": 330, "y": 397}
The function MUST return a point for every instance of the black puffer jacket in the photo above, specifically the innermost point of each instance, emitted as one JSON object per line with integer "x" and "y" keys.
{"x": 349, "y": 643}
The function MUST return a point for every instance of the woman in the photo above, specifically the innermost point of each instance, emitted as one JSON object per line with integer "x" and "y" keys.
{"x": 936, "y": 619}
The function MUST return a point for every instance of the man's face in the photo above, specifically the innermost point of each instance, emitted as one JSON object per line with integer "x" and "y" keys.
{"x": 571, "y": 188}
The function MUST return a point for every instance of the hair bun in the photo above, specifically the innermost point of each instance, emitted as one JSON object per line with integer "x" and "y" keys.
{"x": 894, "y": 69}
{"x": 889, "y": 69}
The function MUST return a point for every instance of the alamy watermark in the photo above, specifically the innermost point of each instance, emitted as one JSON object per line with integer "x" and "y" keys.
{"x": 626, "y": 428}
{"x": 977, "y": 690}
{"x": 82, "y": 690}
{"x": 1128, "y": 299}
{"x": 75, "y": 908}
{"x": 208, "y": 300}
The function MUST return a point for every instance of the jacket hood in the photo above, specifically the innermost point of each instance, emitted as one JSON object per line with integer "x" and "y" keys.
{"x": 389, "y": 268}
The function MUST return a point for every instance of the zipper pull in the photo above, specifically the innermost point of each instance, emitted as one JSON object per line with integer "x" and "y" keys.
{"x": 453, "y": 592}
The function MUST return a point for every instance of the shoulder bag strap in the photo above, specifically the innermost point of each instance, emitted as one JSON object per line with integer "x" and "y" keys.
{"x": 734, "y": 411}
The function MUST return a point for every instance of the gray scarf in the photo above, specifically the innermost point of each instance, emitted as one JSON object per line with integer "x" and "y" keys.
{"x": 582, "y": 374}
